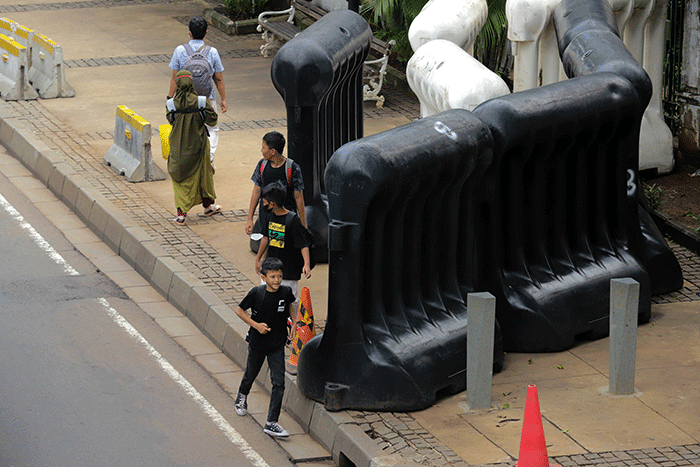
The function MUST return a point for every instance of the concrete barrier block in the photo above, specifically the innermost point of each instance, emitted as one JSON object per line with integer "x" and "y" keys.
{"x": 14, "y": 67}
{"x": 16, "y": 31}
{"x": 181, "y": 286}
{"x": 235, "y": 346}
{"x": 47, "y": 70}
{"x": 218, "y": 319}
{"x": 323, "y": 424}
{"x": 163, "y": 271}
{"x": 130, "y": 155}
{"x": 201, "y": 299}
{"x": 354, "y": 444}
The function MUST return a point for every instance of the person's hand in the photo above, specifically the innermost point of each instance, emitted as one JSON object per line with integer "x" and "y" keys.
{"x": 262, "y": 328}
{"x": 306, "y": 271}
{"x": 257, "y": 266}
{"x": 224, "y": 106}
{"x": 249, "y": 227}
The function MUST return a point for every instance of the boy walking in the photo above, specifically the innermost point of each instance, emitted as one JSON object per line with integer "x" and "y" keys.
{"x": 284, "y": 237}
{"x": 271, "y": 304}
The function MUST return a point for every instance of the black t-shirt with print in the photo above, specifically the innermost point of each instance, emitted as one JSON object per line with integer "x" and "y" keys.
{"x": 286, "y": 245}
{"x": 274, "y": 311}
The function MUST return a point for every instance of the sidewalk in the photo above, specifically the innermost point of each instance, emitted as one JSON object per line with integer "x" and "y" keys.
{"x": 117, "y": 54}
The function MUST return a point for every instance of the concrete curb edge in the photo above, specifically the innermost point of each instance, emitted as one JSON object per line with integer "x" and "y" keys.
{"x": 335, "y": 431}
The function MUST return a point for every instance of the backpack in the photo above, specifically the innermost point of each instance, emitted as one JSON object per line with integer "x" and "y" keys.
{"x": 287, "y": 168}
{"x": 201, "y": 105}
{"x": 202, "y": 72}
{"x": 308, "y": 237}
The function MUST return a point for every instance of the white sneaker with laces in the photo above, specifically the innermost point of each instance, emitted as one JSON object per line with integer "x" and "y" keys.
{"x": 274, "y": 429}
{"x": 241, "y": 404}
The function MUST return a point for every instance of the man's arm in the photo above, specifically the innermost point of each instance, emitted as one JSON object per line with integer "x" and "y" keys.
{"x": 299, "y": 199}
{"x": 219, "y": 82}
{"x": 254, "y": 200}
{"x": 262, "y": 328}
{"x": 173, "y": 84}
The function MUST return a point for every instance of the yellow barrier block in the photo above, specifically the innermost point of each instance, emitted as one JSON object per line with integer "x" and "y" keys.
{"x": 10, "y": 45}
{"x": 15, "y": 28}
{"x": 44, "y": 42}
{"x": 128, "y": 115}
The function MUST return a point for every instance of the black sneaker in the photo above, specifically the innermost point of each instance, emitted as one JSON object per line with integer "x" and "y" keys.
{"x": 274, "y": 429}
{"x": 241, "y": 404}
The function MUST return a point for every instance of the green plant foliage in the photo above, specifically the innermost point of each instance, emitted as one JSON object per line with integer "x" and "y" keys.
{"x": 243, "y": 9}
{"x": 654, "y": 195}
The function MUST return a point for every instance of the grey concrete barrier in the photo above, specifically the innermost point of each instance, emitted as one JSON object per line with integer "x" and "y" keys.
{"x": 130, "y": 155}
{"x": 14, "y": 64}
{"x": 624, "y": 306}
{"x": 47, "y": 72}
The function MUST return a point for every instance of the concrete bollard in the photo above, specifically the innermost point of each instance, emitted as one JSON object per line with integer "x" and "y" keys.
{"x": 130, "y": 155}
{"x": 14, "y": 63}
{"x": 47, "y": 72}
{"x": 481, "y": 325}
{"x": 445, "y": 77}
{"x": 624, "y": 308}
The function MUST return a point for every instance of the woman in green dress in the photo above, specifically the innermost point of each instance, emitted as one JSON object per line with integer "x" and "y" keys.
{"x": 188, "y": 164}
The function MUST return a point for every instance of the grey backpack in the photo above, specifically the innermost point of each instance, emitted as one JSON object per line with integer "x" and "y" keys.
{"x": 202, "y": 72}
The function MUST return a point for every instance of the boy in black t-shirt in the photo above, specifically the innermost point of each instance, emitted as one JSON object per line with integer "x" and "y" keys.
{"x": 284, "y": 237}
{"x": 271, "y": 304}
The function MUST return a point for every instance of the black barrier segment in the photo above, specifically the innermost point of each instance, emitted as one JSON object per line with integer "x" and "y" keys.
{"x": 319, "y": 75}
{"x": 401, "y": 257}
{"x": 559, "y": 210}
{"x": 589, "y": 43}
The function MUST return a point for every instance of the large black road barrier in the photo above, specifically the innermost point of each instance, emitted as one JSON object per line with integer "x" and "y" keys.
{"x": 401, "y": 263}
{"x": 533, "y": 197}
{"x": 319, "y": 75}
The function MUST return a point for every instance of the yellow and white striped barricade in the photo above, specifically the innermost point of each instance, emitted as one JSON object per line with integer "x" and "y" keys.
{"x": 130, "y": 155}
{"x": 47, "y": 72}
{"x": 14, "y": 64}
{"x": 16, "y": 31}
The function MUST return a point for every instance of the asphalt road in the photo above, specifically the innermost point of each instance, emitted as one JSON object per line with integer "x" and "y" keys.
{"x": 88, "y": 379}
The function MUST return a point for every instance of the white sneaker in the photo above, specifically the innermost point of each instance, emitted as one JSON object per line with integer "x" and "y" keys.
{"x": 241, "y": 404}
{"x": 274, "y": 429}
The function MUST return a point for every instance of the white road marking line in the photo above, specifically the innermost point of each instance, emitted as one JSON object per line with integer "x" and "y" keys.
{"x": 208, "y": 409}
{"x": 38, "y": 239}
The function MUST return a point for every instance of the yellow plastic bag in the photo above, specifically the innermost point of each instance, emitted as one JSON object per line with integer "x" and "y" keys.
{"x": 164, "y": 131}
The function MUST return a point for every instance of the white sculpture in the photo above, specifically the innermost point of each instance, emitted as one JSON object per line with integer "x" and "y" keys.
{"x": 445, "y": 77}
{"x": 458, "y": 21}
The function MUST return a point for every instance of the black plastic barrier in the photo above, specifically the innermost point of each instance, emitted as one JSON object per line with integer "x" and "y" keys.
{"x": 319, "y": 75}
{"x": 401, "y": 264}
{"x": 589, "y": 43}
{"x": 533, "y": 197}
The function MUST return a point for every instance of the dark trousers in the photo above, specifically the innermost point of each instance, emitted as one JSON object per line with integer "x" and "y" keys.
{"x": 275, "y": 361}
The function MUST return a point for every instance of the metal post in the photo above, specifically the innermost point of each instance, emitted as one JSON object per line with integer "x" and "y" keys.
{"x": 481, "y": 322}
{"x": 624, "y": 308}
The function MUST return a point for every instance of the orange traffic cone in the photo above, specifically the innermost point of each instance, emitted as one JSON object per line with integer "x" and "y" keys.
{"x": 533, "y": 449}
{"x": 304, "y": 326}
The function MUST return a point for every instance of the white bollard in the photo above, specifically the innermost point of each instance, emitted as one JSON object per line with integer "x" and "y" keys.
{"x": 457, "y": 21}
{"x": 481, "y": 326}
{"x": 47, "y": 72}
{"x": 14, "y": 63}
{"x": 624, "y": 312}
{"x": 445, "y": 77}
{"x": 130, "y": 155}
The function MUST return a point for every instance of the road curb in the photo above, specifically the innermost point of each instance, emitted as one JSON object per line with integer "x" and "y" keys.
{"x": 684, "y": 236}
{"x": 182, "y": 289}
